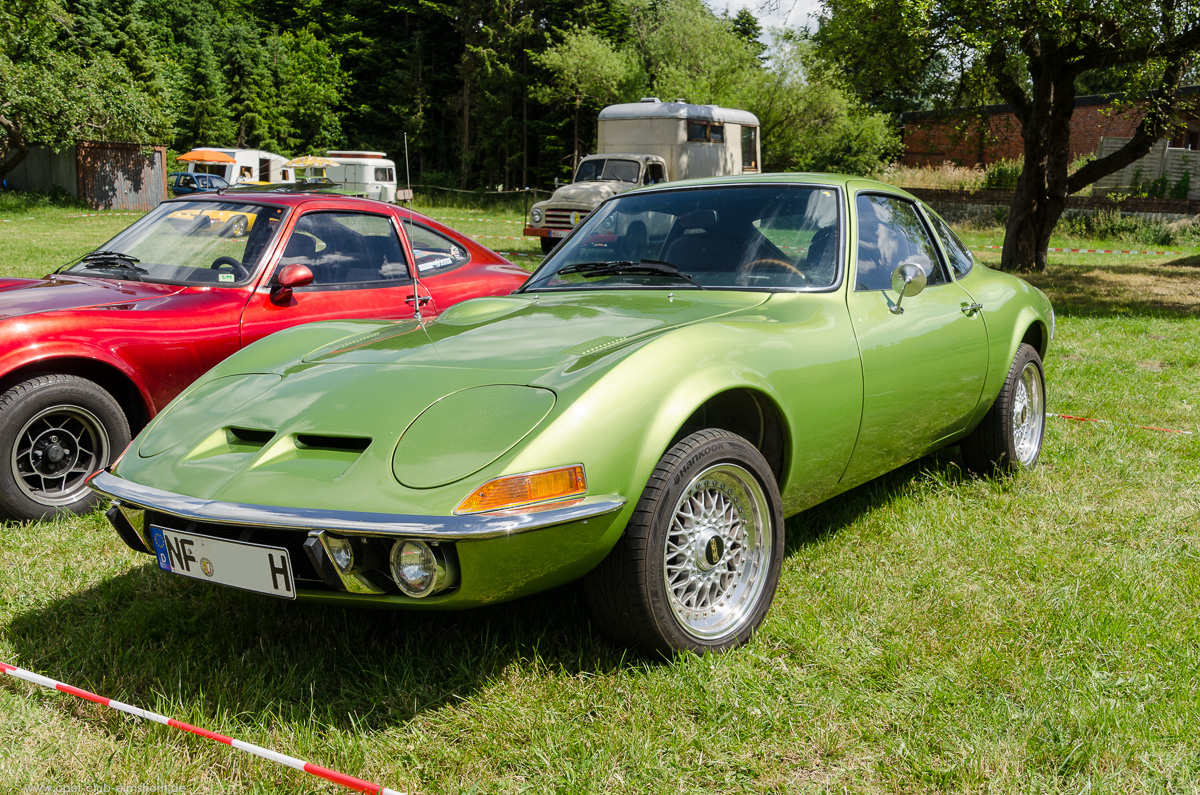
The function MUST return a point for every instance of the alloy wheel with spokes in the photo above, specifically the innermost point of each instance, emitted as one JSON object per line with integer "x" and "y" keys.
{"x": 1028, "y": 415}
{"x": 56, "y": 451}
{"x": 1009, "y": 437}
{"x": 697, "y": 566}
{"x": 716, "y": 551}
{"x": 55, "y": 431}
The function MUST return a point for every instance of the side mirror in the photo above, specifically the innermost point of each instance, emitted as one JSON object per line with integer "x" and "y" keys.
{"x": 294, "y": 275}
{"x": 907, "y": 279}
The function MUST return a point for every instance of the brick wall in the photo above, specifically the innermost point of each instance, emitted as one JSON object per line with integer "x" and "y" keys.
{"x": 931, "y": 140}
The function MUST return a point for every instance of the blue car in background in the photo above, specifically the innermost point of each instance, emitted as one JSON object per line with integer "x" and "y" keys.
{"x": 184, "y": 182}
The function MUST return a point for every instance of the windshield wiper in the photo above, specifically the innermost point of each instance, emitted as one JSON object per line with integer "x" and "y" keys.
{"x": 103, "y": 259}
{"x": 656, "y": 267}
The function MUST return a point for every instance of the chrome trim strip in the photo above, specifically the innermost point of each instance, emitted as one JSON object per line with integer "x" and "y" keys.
{"x": 466, "y": 527}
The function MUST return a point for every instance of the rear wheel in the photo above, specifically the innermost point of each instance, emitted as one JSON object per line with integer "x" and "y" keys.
{"x": 55, "y": 431}
{"x": 1009, "y": 438}
{"x": 234, "y": 227}
{"x": 697, "y": 566}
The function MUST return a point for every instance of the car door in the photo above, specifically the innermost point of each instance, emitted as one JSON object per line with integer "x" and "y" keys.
{"x": 924, "y": 366}
{"x": 360, "y": 266}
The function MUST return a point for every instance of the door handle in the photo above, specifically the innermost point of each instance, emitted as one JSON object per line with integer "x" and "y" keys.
{"x": 971, "y": 309}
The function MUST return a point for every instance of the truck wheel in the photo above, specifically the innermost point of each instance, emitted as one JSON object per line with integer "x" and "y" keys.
{"x": 697, "y": 566}
{"x": 548, "y": 244}
{"x": 55, "y": 431}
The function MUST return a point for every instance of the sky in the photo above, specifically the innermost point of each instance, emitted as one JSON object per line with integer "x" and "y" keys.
{"x": 774, "y": 13}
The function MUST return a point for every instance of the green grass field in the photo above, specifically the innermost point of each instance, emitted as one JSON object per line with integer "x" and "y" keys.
{"x": 932, "y": 632}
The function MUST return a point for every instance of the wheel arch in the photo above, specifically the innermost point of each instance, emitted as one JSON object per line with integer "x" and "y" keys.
{"x": 1037, "y": 336}
{"x": 749, "y": 413}
{"x": 110, "y": 378}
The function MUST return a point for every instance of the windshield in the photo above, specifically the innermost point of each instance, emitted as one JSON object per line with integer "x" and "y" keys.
{"x": 619, "y": 170}
{"x": 188, "y": 243}
{"x": 734, "y": 237}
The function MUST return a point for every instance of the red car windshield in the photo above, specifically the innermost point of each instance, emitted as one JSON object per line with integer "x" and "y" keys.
{"x": 189, "y": 243}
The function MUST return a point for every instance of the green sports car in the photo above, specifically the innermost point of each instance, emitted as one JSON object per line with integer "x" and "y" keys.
{"x": 694, "y": 363}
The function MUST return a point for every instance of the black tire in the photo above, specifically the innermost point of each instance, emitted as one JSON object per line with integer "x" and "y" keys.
{"x": 548, "y": 244}
{"x": 691, "y": 573}
{"x": 55, "y": 431}
{"x": 234, "y": 227}
{"x": 1009, "y": 438}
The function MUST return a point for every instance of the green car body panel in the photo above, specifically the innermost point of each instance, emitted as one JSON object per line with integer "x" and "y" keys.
{"x": 407, "y": 419}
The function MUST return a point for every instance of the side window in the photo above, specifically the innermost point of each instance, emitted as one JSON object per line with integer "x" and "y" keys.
{"x": 654, "y": 174}
{"x": 434, "y": 252}
{"x": 890, "y": 232}
{"x": 346, "y": 248}
{"x": 749, "y": 149}
{"x": 961, "y": 259}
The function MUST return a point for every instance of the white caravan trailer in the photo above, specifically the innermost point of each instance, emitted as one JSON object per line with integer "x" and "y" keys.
{"x": 250, "y": 165}
{"x": 368, "y": 173}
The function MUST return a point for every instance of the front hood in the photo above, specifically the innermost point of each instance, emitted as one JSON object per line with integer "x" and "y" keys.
{"x": 30, "y": 296}
{"x": 535, "y": 331}
{"x": 592, "y": 192}
{"x": 305, "y": 432}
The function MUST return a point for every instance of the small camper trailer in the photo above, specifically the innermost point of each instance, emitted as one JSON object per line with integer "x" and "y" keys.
{"x": 239, "y": 165}
{"x": 368, "y": 173}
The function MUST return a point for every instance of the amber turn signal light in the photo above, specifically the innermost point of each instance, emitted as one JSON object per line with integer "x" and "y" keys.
{"x": 515, "y": 490}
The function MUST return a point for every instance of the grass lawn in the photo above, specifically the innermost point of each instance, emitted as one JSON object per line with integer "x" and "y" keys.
{"x": 932, "y": 632}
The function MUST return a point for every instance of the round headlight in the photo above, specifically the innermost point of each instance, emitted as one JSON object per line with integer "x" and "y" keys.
{"x": 535, "y": 215}
{"x": 417, "y": 568}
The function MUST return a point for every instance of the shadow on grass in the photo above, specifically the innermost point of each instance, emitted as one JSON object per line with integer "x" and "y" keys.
{"x": 17, "y": 201}
{"x": 1097, "y": 290}
{"x": 170, "y": 644}
{"x": 201, "y": 653}
{"x": 824, "y": 520}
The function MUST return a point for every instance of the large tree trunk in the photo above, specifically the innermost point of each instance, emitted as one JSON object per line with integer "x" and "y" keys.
{"x": 1041, "y": 194}
{"x": 13, "y": 148}
{"x": 1045, "y": 117}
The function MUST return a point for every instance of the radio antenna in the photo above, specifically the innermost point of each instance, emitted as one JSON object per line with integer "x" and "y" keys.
{"x": 407, "y": 176}
{"x": 417, "y": 299}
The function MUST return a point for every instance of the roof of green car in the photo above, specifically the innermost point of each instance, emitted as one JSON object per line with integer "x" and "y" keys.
{"x": 832, "y": 180}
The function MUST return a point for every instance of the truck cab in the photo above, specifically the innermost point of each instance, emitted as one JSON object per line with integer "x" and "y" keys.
{"x": 645, "y": 143}
{"x": 597, "y": 178}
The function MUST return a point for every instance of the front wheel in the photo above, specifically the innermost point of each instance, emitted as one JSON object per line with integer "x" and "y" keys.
{"x": 548, "y": 244}
{"x": 55, "y": 431}
{"x": 1009, "y": 438}
{"x": 697, "y": 566}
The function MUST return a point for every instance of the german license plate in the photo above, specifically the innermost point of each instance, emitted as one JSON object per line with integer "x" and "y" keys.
{"x": 250, "y": 567}
{"x": 559, "y": 232}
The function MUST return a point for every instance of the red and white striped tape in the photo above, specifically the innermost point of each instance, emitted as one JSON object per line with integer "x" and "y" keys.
{"x": 349, "y": 782}
{"x": 100, "y": 215}
{"x": 1131, "y": 425}
{"x": 484, "y": 220}
{"x": 1106, "y": 251}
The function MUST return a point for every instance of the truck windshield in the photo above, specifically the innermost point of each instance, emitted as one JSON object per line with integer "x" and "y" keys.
{"x": 762, "y": 237}
{"x": 618, "y": 170}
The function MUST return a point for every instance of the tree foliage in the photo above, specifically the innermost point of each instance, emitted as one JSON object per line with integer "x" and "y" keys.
{"x": 477, "y": 92}
{"x": 1034, "y": 55}
{"x": 54, "y": 90}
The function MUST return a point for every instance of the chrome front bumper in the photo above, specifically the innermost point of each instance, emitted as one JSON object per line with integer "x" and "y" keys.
{"x": 441, "y": 528}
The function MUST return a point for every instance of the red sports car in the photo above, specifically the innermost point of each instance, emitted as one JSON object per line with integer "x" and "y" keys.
{"x": 89, "y": 354}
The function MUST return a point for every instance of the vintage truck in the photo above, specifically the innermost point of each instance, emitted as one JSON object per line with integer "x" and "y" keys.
{"x": 645, "y": 143}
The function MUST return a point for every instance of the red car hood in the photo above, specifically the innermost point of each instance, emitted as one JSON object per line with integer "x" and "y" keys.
{"x": 30, "y": 296}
